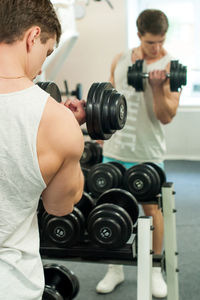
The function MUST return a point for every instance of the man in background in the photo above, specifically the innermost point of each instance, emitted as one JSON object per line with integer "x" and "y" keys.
{"x": 142, "y": 139}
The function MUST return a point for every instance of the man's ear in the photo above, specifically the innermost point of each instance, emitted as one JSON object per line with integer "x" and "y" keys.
{"x": 139, "y": 35}
{"x": 31, "y": 37}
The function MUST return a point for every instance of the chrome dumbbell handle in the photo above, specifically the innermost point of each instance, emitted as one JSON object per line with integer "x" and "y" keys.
{"x": 146, "y": 75}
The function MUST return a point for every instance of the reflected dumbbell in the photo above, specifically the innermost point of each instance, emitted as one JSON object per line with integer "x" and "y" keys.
{"x": 92, "y": 154}
{"x": 60, "y": 283}
{"x": 104, "y": 176}
{"x": 144, "y": 181}
{"x": 68, "y": 230}
{"x": 137, "y": 75}
{"x": 110, "y": 223}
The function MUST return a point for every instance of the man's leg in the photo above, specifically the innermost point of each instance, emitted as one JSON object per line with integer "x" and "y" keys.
{"x": 159, "y": 287}
{"x": 115, "y": 273}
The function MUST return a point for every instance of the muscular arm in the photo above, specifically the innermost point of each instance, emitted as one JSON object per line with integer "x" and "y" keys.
{"x": 60, "y": 146}
{"x": 165, "y": 101}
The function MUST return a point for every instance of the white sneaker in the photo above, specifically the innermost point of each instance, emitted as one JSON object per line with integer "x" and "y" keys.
{"x": 113, "y": 277}
{"x": 159, "y": 286}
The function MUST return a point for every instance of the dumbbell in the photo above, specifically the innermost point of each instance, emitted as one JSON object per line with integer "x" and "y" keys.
{"x": 92, "y": 154}
{"x": 60, "y": 283}
{"x": 144, "y": 181}
{"x": 106, "y": 109}
{"x": 110, "y": 223}
{"x": 68, "y": 230}
{"x": 51, "y": 88}
{"x": 136, "y": 76}
{"x": 104, "y": 176}
{"x": 77, "y": 92}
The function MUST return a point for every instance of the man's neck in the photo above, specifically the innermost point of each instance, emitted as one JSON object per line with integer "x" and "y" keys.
{"x": 11, "y": 62}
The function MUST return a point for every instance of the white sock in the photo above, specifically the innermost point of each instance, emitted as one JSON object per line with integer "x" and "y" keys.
{"x": 113, "y": 277}
{"x": 159, "y": 286}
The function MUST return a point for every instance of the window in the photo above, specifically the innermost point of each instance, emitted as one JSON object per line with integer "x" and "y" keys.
{"x": 183, "y": 38}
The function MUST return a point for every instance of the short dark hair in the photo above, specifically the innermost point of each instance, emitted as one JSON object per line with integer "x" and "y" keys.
{"x": 153, "y": 21}
{"x": 17, "y": 16}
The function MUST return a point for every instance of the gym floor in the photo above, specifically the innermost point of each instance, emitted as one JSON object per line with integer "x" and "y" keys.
{"x": 186, "y": 178}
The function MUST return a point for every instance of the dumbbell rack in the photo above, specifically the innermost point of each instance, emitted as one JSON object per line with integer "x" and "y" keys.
{"x": 137, "y": 252}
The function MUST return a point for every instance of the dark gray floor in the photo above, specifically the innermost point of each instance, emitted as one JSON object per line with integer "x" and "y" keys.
{"x": 186, "y": 178}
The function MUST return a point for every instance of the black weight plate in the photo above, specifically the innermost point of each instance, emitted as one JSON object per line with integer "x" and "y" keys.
{"x": 130, "y": 81}
{"x": 121, "y": 198}
{"x": 120, "y": 166}
{"x": 119, "y": 172}
{"x": 92, "y": 97}
{"x": 117, "y": 111}
{"x": 100, "y": 100}
{"x": 102, "y": 228}
{"x": 52, "y": 89}
{"x": 109, "y": 226}
{"x": 92, "y": 154}
{"x": 142, "y": 181}
{"x": 89, "y": 110}
{"x": 160, "y": 171}
{"x": 99, "y": 153}
{"x": 156, "y": 181}
{"x": 138, "y": 182}
{"x": 63, "y": 280}
{"x": 64, "y": 231}
{"x": 174, "y": 76}
{"x": 51, "y": 294}
{"x": 116, "y": 174}
{"x": 87, "y": 157}
{"x": 132, "y": 76}
{"x": 86, "y": 204}
{"x": 139, "y": 80}
{"x": 97, "y": 122}
{"x": 100, "y": 178}
{"x": 105, "y": 112}
{"x": 71, "y": 281}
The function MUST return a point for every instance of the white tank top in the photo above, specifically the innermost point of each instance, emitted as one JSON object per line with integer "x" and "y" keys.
{"x": 142, "y": 138}
{"x": 21, "y": 184}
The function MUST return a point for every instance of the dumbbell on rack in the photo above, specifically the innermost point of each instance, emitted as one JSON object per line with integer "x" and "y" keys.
{"x": 110, "y": 223}
{"x": 104, "y": 176}
{"x": 106, "y": 109}
{"x": 60, "y": 283}
{"x": 137, "y": 75}
{"x": 144, "y": 181}
{"x": 68, "y": 230}
{"x": 92, "y": 154}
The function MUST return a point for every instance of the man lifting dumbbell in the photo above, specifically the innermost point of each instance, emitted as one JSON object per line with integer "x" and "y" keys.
{"x": 35, "y": 157}
{"x": 142, "y": 138}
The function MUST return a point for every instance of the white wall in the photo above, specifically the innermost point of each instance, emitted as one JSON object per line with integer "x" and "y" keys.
{"x": 102, "y": 34}
{"x": 182, "y": 134}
